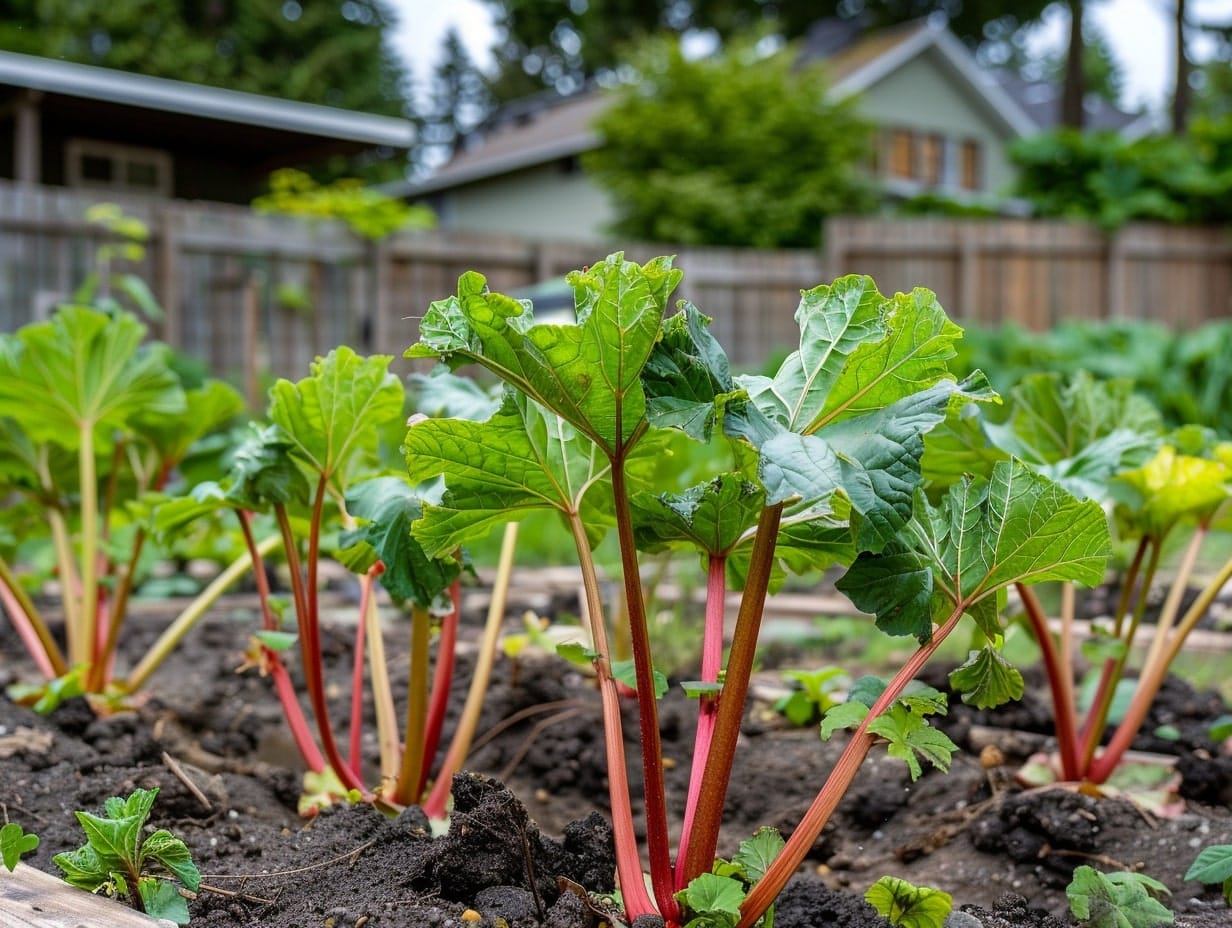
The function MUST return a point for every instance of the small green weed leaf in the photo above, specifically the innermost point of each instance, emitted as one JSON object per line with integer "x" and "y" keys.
{"x": 756, "y": 854}
{"x": 903, "y": 904}
{"x": 867, "y": 690}
{"x": 1016, "y": 527}
{"x": 923, "y": 699}
{"x": 14, "y": 842}
{"x": 846, "y": 715}
{"x": 909, "y": 734}
{"x": 173, "y": 854}
{"x": 264, "y": 473}
{"x": 161, "y": 899}
{"x": 82, "y": 868}
{"x": 116, "y": 841}
{"x": 388, "y": 506}
{"x": 587, "y": 373}
{"x": 333, "y": 416}
{"x": 695, "y": 689}
{"x": 625, "y": 672}
{"x": 987, "y": 680}
{"x": 685, "y": 374}
{"x": 276, "y": 641}
{"x": 137, "y": 805}
{"x": 523, "y": 458}
{"x": 1212, "y": 865}
{"x": 713, "y": 900}
{"x": 1221, "y": 728}
{"x": 1171, "y": 487}
{"x": 577, "y": 653}
{"x": 1121, "y": 900}
{"x": 712, "y": 515}
{"x": 83, "y": 370}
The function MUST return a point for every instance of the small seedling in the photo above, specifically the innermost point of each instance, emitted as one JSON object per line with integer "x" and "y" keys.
{"x": 904, "y": 904}
{"x": 15, "y": 842}
{"x": 116, "y": 860}
{"x": 713, "y": 900}
{"x": 1212, "y": 866}
{"x": 816, "y": 694}
{"x": 1117, "y": 900}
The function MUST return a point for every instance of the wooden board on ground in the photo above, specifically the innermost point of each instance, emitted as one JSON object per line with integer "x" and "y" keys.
{"x": 30, "y": 898}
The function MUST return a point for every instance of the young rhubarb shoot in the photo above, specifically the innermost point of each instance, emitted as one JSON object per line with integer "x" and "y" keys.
{"x": 1117, "y": 900}
{"x": 905, "y": 905}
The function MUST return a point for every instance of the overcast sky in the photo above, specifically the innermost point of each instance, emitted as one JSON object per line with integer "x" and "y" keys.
{"x": 1140, "y": 32}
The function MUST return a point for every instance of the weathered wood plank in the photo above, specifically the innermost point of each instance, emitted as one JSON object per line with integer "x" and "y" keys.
{"x": 30, "y": 898}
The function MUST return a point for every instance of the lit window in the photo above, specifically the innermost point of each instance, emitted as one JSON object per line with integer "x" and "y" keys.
{"x": 972, "y": 169}
{"x": 933, "y": 150}
{"x": 902, "y": 154}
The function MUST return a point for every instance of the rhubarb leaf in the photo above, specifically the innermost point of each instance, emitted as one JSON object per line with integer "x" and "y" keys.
{"x": 333, "y": 417}
{"x": 1115, "y": 900}
{"x": 589, "y": 372}
{"x": 523, "y": 458}
{"x": 714, "y": 901}
{"x": 173, "y": 854}
{"x": 909, "y": 735}
{"x": 1171, "y": 487}
{"x": 206, "y": 408}
{"x": 1017, "y": 527}
{"x": 903, "y": 904}
{"x": 987, "y": 680}
{"x": 686, "y": 373}
{"x": 263, "y": 471}
{"x": 712, "y": 515}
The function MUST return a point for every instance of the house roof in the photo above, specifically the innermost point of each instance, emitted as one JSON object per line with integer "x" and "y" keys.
{"x": 87, "y": 82}
{"x": 1042, "y": 101}
{"x": 553, "y": 127}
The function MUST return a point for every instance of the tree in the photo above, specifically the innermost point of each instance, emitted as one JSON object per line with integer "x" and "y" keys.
{"x": 331, "y": 53}
{"x": 1074, "y": 88}
{"x": 1181, "y": 91}
{"x": 458, "y": 101}
{"x": 562, "y": 44}
{"x": 736, "y": 149}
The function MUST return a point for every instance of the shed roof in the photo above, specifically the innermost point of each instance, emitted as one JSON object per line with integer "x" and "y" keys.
{"x": 88, "y": 82}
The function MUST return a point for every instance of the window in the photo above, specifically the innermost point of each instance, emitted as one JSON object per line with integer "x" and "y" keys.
{"x": 902, "y": 154}
{"x": 933, "y": 150}
{"x": 972, "y": 169}
{"x": 127, "y": 168}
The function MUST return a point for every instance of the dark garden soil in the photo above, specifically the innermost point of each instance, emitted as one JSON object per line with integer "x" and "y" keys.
{"x": 529, "y": 826}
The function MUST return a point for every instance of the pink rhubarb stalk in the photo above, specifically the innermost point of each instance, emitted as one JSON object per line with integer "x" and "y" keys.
{"x": 355, "y": 751}
{"x": 1063, "y": 709}
{"x": 442, "y": 679}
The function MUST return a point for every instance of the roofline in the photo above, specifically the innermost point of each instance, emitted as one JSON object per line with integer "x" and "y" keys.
{"x": 955, "y": 53}
{"x": 159, "y": 93}
{"x": 516, "y": 160}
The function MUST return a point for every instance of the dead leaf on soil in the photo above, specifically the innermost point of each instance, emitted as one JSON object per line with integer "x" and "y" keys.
{"x": 29, "y": 740}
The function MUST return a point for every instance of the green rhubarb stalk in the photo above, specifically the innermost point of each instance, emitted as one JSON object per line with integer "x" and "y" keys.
{"x": 192, "y": 614}
{"x": 763, "y": 893}
{"x": 416, "y": 708}
{"x": 464, "y": 734}
{"x": 355, "y": 752}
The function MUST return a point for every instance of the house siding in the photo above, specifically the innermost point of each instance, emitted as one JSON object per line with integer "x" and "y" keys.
{"x": 922, "y": 96}
{"x": 514, "y": 204}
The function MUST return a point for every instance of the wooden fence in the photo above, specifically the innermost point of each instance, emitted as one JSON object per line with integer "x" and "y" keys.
{"x": 255, "y": 296}
{"x": 1036, "y": 273}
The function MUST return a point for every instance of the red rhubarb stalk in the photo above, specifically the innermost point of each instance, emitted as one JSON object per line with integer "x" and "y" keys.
{"x": 1063, "y": 709}
{"x": 442, "y": 678}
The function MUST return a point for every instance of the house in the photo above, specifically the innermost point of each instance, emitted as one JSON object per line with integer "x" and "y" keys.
{"x": 72, "y": 125}
{"x": 943, "y": 124}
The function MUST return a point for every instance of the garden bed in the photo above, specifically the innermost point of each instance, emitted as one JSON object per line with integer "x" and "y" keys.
{"x": 213, "y": 741}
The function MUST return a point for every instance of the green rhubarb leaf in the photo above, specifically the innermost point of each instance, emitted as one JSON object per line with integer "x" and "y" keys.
{"x": 161, "y": 899}
{"x": 859, "y": 352}
{"x": 1171, "y": 487}
{"x": 388, "y": 506}
{"x": 523, "y": 458}
{"x": 910, "y": 738}
{"x": 845, "y": 716}
{"x": 1120, "y": 900}
{"x": 15, "y": 842}
{"x": 756, "y": 854}
{"x": 1018, "y": 526}
{"x": 713, "y": 900}
{"x": 83, "y": 371}
{"x": 987, "y": 680}
{"x": 588, "y": 373}
{"x": 333, "y": 417}
{"x": 686, "y": 373}
{"x": 712, "y": 515}
{"x": 626, "y": 672}
{"x": 909, "y": 906}
{"x": 173, "y": 854}
{"x": 276, "y": 641}
{"x": 958, "y": 447}
{"x": 207, "y": 408}
{"x": 263, "y": 471}
{"x": 442, "y": 393}
{"x": 1212, "y": 865}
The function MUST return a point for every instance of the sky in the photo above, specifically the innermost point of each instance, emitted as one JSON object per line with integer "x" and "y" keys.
{"x": 1140, "y": 32}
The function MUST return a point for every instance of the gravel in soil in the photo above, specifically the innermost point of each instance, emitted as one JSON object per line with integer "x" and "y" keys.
{"x": 214, "y": 743}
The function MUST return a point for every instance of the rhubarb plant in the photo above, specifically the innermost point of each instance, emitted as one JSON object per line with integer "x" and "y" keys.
{"x": 94, "y": 424}
{"x": 1104, "y": 443}
{"x": 822, "y": 467}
